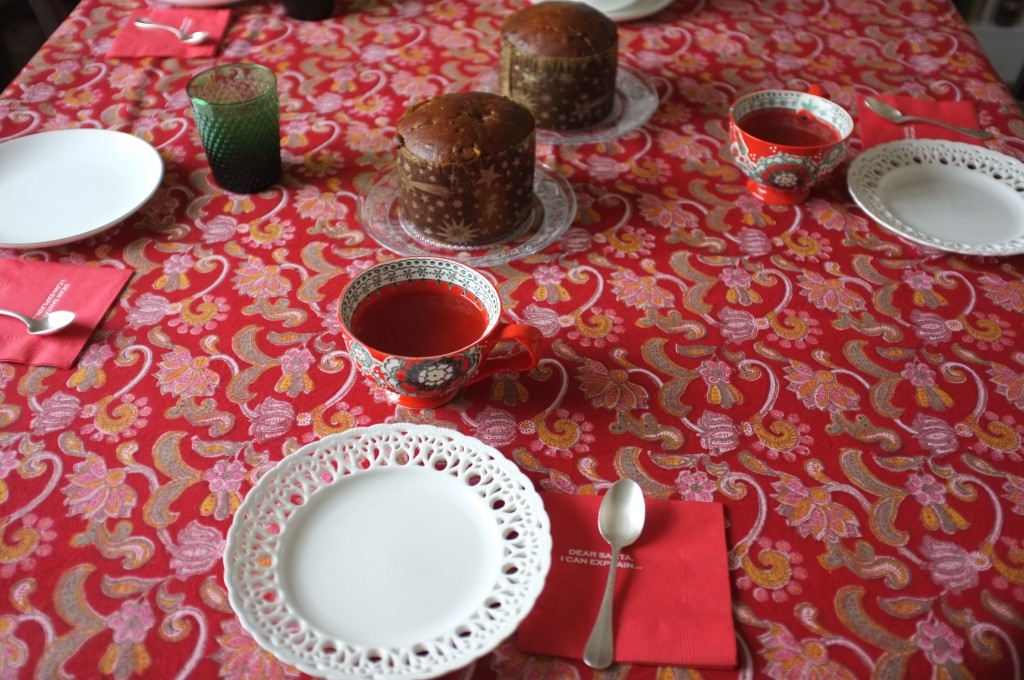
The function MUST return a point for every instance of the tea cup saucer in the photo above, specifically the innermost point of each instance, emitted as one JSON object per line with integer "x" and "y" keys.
{"x": 554, "y": 208}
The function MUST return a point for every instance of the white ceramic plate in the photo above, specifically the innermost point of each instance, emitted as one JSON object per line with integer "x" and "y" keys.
{"x": 390, "y": 551}
{"x": 628, "y": 11}
{"x": 64, "y": 185}
{"x": 958, "y": 197}
{"x": 554, "y": 209}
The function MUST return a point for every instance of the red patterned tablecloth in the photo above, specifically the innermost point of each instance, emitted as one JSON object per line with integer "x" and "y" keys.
{"x": 854, "y": 400}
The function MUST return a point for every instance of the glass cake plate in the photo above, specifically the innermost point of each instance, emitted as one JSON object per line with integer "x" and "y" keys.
{"x": 554, "y": 208}
{"x": 396, "y": 551}
{"x": 636, "y": 100}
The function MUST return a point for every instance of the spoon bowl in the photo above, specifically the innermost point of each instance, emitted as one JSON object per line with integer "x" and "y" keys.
{"x": 45, "y": 324}
{"x": 620, "y": 520}
{"x": 894, "y": 115}
{"x": 193, "y": 38}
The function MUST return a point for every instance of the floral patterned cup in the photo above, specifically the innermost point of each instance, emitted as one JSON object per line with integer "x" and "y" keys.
{"x": 424, "y": 327}
{"x": 786, "y": 141}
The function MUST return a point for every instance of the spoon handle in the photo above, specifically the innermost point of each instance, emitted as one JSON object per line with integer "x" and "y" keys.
{"x": 970, "y": 132}
{"x": 601, "y": 646}
{"x": 144, "y": 22}
{"x": 26, "y": 319}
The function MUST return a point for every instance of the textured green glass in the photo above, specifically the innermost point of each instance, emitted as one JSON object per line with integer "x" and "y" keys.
{"x": 236, "y": 111}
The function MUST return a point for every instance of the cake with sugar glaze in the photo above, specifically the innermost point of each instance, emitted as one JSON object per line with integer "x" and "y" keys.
{"x": 465, "y": 168}
{"x": 559, "y": 59}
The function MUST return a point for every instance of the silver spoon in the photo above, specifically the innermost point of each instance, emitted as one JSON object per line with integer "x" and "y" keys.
{"x": 187, "y": 38}
{"x": 620, "y": 519}
{"x": 894, "y": 115}
{"x": 45, "y": 324}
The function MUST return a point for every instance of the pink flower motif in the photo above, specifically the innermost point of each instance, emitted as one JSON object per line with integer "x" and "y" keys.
{"x": 271, "y": 419}
{"x": 1008, "y": 295}
{"x": 813, "y": 512}
{"x": 820, "y": 389}
{"x": 8, "y": 462}
{"x": 149, "y": 309}
{"x": 611, "y": 389}
{"x": 951, "y": 566}
{"x": 931, "y": 328}
{"x": 184, "y": 376}
{"x": 548, "y": 275}
{"x": 926, "y": 489}
{"x": 199, "y": 550}
{"x": 547, "y": 320}
{"x": 226, "y": 475}
{"x": 496, "y": 427}
{"x": 179, "y": 263}
{"x": 98, "y": 493}
{"x": 1009, "y": 383}
{"x": 642, "y": 292}
{"x": 296, "y": 360}
{"x": 792, "y": 659}
{"x": 938, "y": 642}
{"x": 829, "y": 294}
{"x": 219, "y": 229}
{"x": 55, "y": 414}
{"x": 735, "y": 277}
{"x": 738, "y": 325}
{"x": 918, "y": 280}
{"x": 695, "y": 486}
{"x": 131, "y": 622}
{"x": 715, "y": 372}
{"x": 95, "y": 356}
{"x": 936, "y": 436}
{"x": 240, "y": 658}
{"x": 718, "y": 433}
{"x": 258, "y": 280}
{"x": 754, "y": 242}
{"x": 919, "y": 374}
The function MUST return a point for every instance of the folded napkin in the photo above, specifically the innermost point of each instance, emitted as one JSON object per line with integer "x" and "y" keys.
{"x": 672, "y": 600}
{"x": 35, "y": 288}
{"x": 132, "y": 41}
{"x": 875, "y": 130}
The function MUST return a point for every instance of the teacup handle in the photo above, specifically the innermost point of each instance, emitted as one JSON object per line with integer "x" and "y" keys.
{"x": 529, "y": 337}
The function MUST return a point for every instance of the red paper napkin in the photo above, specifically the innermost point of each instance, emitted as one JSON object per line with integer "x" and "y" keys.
{"x": 672, "y": 602}
{"x": 875, "y": 130}
{"x": 132, "y": 41}
{"x": 34, "y": 288}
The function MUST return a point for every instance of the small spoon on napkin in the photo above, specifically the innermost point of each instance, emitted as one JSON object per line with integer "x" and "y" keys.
{"x": 187, "y": 38}
{"x": 620, "y": 520}
{"x": 45, "y": 324}
{"x": 894, "y": 115}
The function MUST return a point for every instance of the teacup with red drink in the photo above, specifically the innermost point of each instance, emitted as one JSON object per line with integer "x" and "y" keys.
{"x": 424, "y": 327}
{"x": 786, "y": 141}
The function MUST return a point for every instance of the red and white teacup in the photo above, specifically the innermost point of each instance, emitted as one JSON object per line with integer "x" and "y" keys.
{"x": 424, "y": 327}
{"x": 786, "y": 141}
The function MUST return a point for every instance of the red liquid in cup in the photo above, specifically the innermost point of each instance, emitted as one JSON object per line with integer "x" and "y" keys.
{"x": 788, "y": 128}
{"x": 419, "y": 319}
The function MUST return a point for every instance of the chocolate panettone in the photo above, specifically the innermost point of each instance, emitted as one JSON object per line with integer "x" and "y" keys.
{"x": 559, "y": 59}
{"x": 465, "y": 168}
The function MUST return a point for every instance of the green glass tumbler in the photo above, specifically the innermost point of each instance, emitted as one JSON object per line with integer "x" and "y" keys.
{"x": 236, "y": 110}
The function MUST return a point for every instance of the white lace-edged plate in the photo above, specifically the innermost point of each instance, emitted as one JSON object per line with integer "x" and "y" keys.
{"x": 953, "y": 196}
{"x": 389, "y": 551}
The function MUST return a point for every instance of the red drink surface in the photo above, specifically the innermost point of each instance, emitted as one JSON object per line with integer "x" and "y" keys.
{"x": 419, "y": 319}
{"x": 788, "y": 128}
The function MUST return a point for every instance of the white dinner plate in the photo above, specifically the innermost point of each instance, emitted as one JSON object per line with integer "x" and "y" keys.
{"x": 64, "y": 185}
{"x": 390, "y": 551}
{"x": 628, "y": 11}
{"x": 953, "y": 196}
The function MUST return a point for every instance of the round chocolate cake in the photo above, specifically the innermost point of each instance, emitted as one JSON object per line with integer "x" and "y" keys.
{"x": 559, "y": 59}
{"x": 465, "y": 168}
